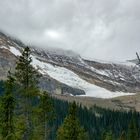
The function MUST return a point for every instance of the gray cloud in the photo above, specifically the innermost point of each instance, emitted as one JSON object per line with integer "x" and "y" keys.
{"x": 101, "y": 29}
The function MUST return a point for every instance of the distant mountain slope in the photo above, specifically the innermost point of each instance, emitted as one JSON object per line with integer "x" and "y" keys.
{"x": 65, "y": 72}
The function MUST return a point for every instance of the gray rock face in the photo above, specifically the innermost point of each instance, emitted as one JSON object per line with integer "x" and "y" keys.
{"x": 111, "y": 76}
{"x": 8, "y": 62}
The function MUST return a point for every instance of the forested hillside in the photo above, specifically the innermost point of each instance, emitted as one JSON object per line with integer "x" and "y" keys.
{"x": 96, "y": 121}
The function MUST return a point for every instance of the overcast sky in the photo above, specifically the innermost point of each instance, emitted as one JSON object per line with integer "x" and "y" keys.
{"x": 100, "y": 29}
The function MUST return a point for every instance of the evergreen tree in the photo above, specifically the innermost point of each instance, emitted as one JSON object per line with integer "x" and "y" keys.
{"x": 26, "y": 78}
{"x": 103, "y": 135}
{"x": 7, "y": 109}
{"x": 71, "y": 129}
{"x": 132, "y": 131}
{"x": 109, "y": 136}
{"x": 122, "y": 136}
{"x": 45, "y": 115}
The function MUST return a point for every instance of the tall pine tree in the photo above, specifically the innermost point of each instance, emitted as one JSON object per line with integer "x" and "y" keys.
{"x": 71, "y": 129}
{"x": 132, "y": 131}
{"x": 26, "y": 78}
{"x": 7, "y": 109}
{"x": 122, "y": 136}
{"x": 44, "y": 114}
{"x": 109, "y": 135}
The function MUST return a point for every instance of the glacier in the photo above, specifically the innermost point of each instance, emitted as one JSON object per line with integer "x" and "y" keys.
{"x": 69, "y": 78}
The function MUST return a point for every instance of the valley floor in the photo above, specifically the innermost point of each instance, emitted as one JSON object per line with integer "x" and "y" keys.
{"x": 118, "y": 103}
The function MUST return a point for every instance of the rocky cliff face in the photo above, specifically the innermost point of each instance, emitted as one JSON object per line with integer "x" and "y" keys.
{"x": 7, "y": 59}
{"x": 8, "y": 62}
{"x": 65, "y": 72}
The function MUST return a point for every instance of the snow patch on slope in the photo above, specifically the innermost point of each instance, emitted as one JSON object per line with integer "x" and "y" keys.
{"x": 15, "y": 51}
{"x": 12, "y": 49}
{"x": 102, "y": 72}
{"x": 3, "y": 47}
{"x": 126, "y": 63}
{"x": 71, "y": 79}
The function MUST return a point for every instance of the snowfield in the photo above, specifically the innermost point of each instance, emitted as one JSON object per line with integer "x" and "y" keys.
{"x": 12, "y": 49}
{"x": 69, "y": 78}
{"x": 15, "y": 51}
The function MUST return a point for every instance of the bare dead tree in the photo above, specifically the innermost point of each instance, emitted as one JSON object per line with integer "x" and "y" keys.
{"x": 138, "y": 58}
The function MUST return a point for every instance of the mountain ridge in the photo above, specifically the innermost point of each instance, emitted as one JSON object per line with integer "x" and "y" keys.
{"x": 111, "y": 77}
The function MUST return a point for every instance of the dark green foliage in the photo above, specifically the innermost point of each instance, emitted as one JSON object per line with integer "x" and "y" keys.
{"x": 122, "y": 136}
{"x": 46, "y": 107}
{"x": 45, "y": 114}
{"x": 108, "y": 136}
{"x": 26, "y": 75}
{"x": 96, "y": 121}
{"x": 103, "y": 135}
{"x": 7, "y": 108}
{"x": 71, "y": 129}
{"x": 1, "y": 87}
{"x": 26, "y": 78}
{"x": 132, "y": 131}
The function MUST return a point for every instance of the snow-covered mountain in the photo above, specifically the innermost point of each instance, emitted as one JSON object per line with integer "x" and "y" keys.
{"x": 65, "y": 72}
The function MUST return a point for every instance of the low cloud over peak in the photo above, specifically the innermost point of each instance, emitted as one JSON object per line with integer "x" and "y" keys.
{"x": 101, "y": 29}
